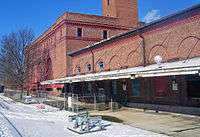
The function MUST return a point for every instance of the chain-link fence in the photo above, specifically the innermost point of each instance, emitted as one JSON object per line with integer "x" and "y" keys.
{"x": 14, "y": 94}
{"x": 74, "y": 102}
{"x": 77, "y": 103}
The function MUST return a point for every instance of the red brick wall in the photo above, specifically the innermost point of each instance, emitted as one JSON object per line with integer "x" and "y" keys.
{"x": 175, "y": 40}
{"x": 62, "y": 38}
{"x": 125, "y": 10}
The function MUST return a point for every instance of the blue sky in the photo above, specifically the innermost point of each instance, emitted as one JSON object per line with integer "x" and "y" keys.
{"x": 40, "y": 14}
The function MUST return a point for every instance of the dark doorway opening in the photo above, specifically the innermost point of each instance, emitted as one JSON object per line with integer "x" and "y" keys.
{"x": 193, "y": 86}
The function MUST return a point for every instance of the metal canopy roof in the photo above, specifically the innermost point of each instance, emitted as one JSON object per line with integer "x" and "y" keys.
{"x": 185, "y": 67}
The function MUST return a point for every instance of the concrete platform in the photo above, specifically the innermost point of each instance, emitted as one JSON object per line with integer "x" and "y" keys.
{"x": 172, "y": 124}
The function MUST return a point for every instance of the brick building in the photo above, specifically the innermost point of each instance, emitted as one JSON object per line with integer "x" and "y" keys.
{"x": 175, "y": 38}
{"x": 157, "y": 63}
{"x": 47, "y": 57}
{"x": 124, "y": 65}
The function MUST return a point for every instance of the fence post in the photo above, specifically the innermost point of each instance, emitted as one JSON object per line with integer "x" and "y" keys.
{"x": 64, "y": 101}
{"x": 95, "y": 102}
{"x": 111, "y": 104}
{"x": 77, "y": 103}
{"x": 72, "y": 103}
{"x": 57, "y": 102}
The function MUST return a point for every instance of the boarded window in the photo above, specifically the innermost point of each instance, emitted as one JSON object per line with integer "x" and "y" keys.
{"x": 161, "y": 84}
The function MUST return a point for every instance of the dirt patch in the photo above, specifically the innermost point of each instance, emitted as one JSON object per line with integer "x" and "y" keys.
{"x": 109, "y": 118}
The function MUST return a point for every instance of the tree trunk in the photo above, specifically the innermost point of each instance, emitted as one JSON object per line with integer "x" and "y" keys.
{"x": 22, "y": 93}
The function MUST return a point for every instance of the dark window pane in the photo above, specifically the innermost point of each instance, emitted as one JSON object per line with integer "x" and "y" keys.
{"x": 101, "y": 66}
{"x": 105, "y": 34}
{"x": 79, "y": 32}
{"x": 114, "y": 87}
{"x": 193, "y": 86}
{"x": 89, "y": 67}
{"x": 136, "y": 87}
{"x": 79, "y": 69}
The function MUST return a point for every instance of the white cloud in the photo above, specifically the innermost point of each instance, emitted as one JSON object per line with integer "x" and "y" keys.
{"x": 152, "y": 16}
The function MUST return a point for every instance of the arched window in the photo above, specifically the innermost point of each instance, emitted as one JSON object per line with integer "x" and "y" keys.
{"x": 79, "y": 69}
{"x": 48, "y": 69}
{"x": 101, "y": 66}
{"x": 88, "y": 67}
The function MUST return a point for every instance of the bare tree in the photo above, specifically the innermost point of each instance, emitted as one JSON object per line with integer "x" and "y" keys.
{"x": 12, "y": 58}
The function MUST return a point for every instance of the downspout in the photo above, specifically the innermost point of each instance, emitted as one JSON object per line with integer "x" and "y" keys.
{"x": 146, "y": 80}
{"x": 93, "y": 70}
{"x": 143, "y": 49}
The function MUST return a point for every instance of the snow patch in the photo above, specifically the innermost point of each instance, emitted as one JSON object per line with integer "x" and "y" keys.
{"x": 4, "y": 131}
{"x": 33, "y": 122}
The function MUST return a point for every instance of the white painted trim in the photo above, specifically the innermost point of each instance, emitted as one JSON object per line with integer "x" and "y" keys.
{"x": 191, "y": 66}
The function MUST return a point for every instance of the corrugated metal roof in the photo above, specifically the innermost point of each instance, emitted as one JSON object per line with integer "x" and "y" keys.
{"x": 184, "y": 67}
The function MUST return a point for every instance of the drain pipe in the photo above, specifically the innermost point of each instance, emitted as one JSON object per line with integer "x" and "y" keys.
{"x": 144, "y": 49}
{"x": 93, "y": 70}
{"x": 146, "y": 82}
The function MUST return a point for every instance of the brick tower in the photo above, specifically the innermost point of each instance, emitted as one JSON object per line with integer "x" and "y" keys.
{"x": 125, "y": 10}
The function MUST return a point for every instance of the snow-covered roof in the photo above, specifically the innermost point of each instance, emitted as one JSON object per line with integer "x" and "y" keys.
{"x": 184, "y": 67}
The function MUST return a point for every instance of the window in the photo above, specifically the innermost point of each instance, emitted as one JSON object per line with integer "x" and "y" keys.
{"x": 101, "y": 66}
{"x": 108, "y": 2}
{"x": 61, "y": 33}
{"x": 79, "y": 69}
{"x": 79, "y": 32}
{"x": 49, "y": 89}
{"x": 105, "y": 34}
{"x": 88, "y": 67}
{"x": 59, "y": 89}
{"x": 48, "y": 69}
{"x": 193, "y": 86}
{"x": 89, "y": 88}
{"x": 136, "y": 87}
{"x": 114, "y": 87}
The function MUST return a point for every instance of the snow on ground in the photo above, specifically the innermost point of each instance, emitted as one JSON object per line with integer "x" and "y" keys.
{"x": 30, "y": 121}
{"x": 4, "y": 131}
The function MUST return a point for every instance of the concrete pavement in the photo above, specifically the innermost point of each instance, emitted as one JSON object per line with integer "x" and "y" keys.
{"x": 171, "y": 124}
